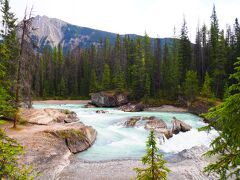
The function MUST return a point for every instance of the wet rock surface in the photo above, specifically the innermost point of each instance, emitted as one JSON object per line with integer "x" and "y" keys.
{"x": 132, "y": 107}
{"x": 101, "y": 111}
{"x": 108, "y": 99}
{"x": 132, "y": 121}
{"x": 77, "y": 137}
{"x": 179, "y": 126}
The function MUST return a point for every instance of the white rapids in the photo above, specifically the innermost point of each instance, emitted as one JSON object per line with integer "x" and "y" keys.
{"x": 115, "y": 141}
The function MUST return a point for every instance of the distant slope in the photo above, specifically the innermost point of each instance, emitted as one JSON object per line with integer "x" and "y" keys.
{"x": 52, "y": 32}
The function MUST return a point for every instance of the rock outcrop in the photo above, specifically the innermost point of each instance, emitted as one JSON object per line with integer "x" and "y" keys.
{"x": 155, "y": 124}
{"x": 198, "y": 107}
{"x": 48, "y": 116}
{"x": 108, "y": 99}
{"x": 132, "y": 107}
{"x": 132, "y": 121}
{"x": 179, "y": 126}
{"x": 77, "y": 137}
{"x": 159, "y": 126}
{"x": 67, "y": 117}
{"x": 49, "y": 141}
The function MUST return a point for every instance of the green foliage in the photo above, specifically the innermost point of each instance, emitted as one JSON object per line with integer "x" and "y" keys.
{"x": 93, "y": 82}
{"x": 191, "y": 85}
{"x": 156, "y": 168}
{"x": 145, "y": 67}
{"x": 119, "y": 82}
{"x": 106, "y": 77}
{"x": 9, "y": 154}
{"x": 184, "y": 54}
{"x": 206, "y": 89}
{"x": 226, "y": 120}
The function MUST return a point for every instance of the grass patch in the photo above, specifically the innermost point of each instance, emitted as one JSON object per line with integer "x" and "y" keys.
{"x": 22, "y": 121}
{"x": 69, "y": 133}
{"x": 66, "y": 111}
{"x": 2, "y": 122}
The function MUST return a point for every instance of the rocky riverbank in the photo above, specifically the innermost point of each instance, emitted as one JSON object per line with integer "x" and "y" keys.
{"x": 49, "y": 137}
{"x": 186, "y": 165}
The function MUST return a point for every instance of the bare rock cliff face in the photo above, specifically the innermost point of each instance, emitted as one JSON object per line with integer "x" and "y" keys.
{"x": 49, "y": 29}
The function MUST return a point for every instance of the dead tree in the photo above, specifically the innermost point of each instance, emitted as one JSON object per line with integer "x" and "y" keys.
{"x": 24, "y": 65}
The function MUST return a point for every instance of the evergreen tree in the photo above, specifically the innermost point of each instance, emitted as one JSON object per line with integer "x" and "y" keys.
{"x": 119, "y": 82}
{"x": 138, "y": 71}
{"x": 93, "y": 82}
{"x": 156, "y": 168}
{"x": 147, "y": 86}
{"x": 157, "y": 68}
{"x": 226, "y": 121}
{"x": 185, "y": 54}
{"x": 206, "y": 89}
{"x": 106, "y": 77}
{"x": 219, "y": 73}
{"x": 8, "y": 56}
{"x": 191, "y": 85}
{"x": 214, "y": 35}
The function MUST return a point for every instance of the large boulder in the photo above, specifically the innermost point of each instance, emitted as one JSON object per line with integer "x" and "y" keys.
{"x": 77, "y": 137}
{"x": 108, "y": 99}
{"x": 132, "y": 121}
{"x": 67, "y": 117}
{"x": 167, "y": 132}
{"x": 132, "y": 107}
{"x": 199, "y": 106}
{"x": 155, "y": 124}
{"x": 121, "y": 99}
{"x": 159, "y": 126}
{"x": 48, "y": 116}
{"x": 179, "y": 126}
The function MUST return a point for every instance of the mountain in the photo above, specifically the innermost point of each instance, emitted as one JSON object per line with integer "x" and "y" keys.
{"x": 52, "y": 32}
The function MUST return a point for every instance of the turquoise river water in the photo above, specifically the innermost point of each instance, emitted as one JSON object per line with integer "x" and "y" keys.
{"x": 115, "y": 141}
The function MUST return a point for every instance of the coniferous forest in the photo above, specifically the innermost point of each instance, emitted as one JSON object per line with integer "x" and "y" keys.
{"x": 144, "y": 67}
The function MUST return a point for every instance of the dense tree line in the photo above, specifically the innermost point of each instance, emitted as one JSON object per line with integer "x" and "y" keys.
{"x": 143, "y": 67}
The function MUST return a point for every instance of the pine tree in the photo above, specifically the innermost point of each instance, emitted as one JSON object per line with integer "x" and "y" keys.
{"x": 106, "y": 77}
{"x": 185, "y": 52}
{"x": 206, "y": 89}
{"x": 226, "y": 121}
{"x": 119, "y": 82}
{"x": 93, "y": 82}
{"x": 214, "y": 35}
{"x": 191, "y": 85}
{"x": 219, "y": 73}
{"x": 8, "y": 56}
{"x": 156, "y": 168}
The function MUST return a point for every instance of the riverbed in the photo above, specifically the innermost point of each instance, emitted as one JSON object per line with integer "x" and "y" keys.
{"x": 117, "y": 142}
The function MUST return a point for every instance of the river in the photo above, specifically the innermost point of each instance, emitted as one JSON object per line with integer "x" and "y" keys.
{"x": 115, "y": 141}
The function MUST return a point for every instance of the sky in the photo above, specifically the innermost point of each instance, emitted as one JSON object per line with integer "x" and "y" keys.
{"x": 156, "y": 17}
